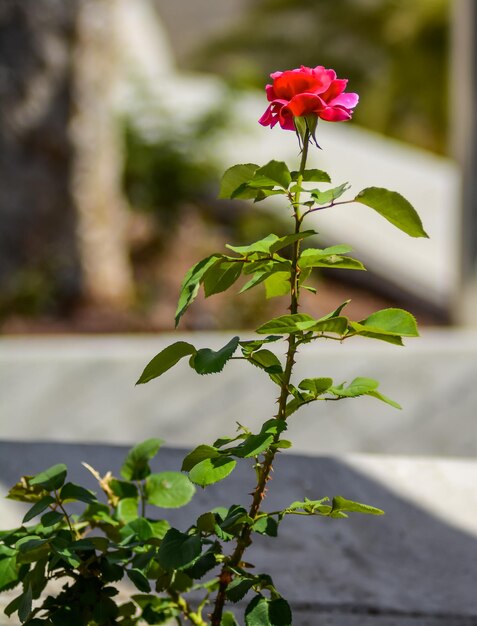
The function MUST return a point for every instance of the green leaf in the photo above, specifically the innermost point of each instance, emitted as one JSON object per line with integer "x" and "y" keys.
{"x": 274, "y": 173}
{"x": 252, "y": 446}
{"x": 295, "y": 403}
{"x": 221, "y": 276}
{"x": 271, "y": 268}
{"x": 52, "y": 478}
{"x": 265, "y": 192}
{"x": 51, "y": 518}
{"x": 357, "y": 387}
{"x": 169, "y": 490}
{"x": 362, "y": 387}
{"x": 166, "y": 359}
{"x": 330, "y": 195}
{"x": 190, "y": 285}
{"x": 234, "y": 177}
{"x": 127, "y": 509}
{"x": 337, "y": 325}
{"x": 138, "y": 528}
{"x": 301, "y": 322}
{"x": 178, "y": 550}
{"x": 238, "y": 588}
{"x": 235, "y": 519}
{"x": 38, "y": 508}
{"x": 279, "y": 612}
{"x": 207, "y": 361}
{"x": 197, "y": 455}
{"x": 312, "y": 175}
{"x": 266, "y": 525}
{"x": 263, "y": 612}
{"x": 212, "y": 470}
{"x": 256, "y": 613}
{"x": 251, "y": 345}
{"x": 24, "y": 492}
{"x": 228, "y": 619}
{"x": 266, "y": 360}
{"x": 71, "y": 492}
{"x": 379, "y": 396}
{"x": 136, "y": 466}
{"x": 342, "y": 504}
{"x": 204, "y": 564}
{"x": 389, "y": 321}
{"x": 31, "y": 548}
{"x": 309, "y": 506}
{"x": 25, "y": 605}
{"x": 273, "y": 426}
{"x": 287, "y": 240}
{"x": 123, "y": 489}
{"x": 139, "y": 580}
{"x": 287, "y": 324}
{"x": 394, "y": 208}
{"x": 270, "y": 244}
{"x": 262, "y": 246}
{"x": 315, "y": 258}
{"x": 316, "y": 386}
{"x": 278, "y": 284}
{"x": 8, "y": 573}
{"x": 206, "y": 522}
{"x": 159, "y": 527}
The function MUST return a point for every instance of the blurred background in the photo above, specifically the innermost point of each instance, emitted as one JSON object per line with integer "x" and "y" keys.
{"x": 118, "y": 118}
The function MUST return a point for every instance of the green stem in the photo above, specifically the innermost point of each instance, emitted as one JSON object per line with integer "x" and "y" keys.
{"x": 244, "y": 539}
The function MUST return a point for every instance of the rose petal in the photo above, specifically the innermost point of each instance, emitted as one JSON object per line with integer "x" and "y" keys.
{"x": 307, "y": 91}
{"x": 292, "y": 83}
{"x": 270, "y": 91}
{"x": 335, "y": 89}
{"x": 334, "y": 114}
{"x": 347, "y": 100}
{"x": 286, "y": 119}
{"x": 305, "y": 104}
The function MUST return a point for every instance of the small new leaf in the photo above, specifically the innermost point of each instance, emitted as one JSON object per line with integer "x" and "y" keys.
{"x": 330, "y": 195}
{"x": 349, "y": 506}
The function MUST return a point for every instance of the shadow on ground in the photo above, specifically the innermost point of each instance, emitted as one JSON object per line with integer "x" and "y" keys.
{"x": 407, "y": 568}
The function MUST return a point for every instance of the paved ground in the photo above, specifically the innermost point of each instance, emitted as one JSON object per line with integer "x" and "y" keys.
{"x": 82, "y": 389}
{"x": 411, "y": 567}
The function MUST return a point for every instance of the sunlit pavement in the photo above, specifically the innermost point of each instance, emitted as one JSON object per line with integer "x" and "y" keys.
{"x": 82, "y": 389}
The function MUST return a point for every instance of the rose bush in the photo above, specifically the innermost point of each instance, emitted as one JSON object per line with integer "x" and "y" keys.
{"x": 117, "y": 536}
{"x": 307, "y": 91}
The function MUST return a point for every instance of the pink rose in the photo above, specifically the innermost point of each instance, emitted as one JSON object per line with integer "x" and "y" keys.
{"x": 307, "y": 91}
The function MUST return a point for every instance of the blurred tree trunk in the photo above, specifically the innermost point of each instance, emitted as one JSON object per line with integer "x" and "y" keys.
{"x": 61, "y": 209}
{"x": 97, "y": 162}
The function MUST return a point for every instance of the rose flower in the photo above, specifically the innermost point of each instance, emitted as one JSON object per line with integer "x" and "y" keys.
{"x": 307, "y": 91}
